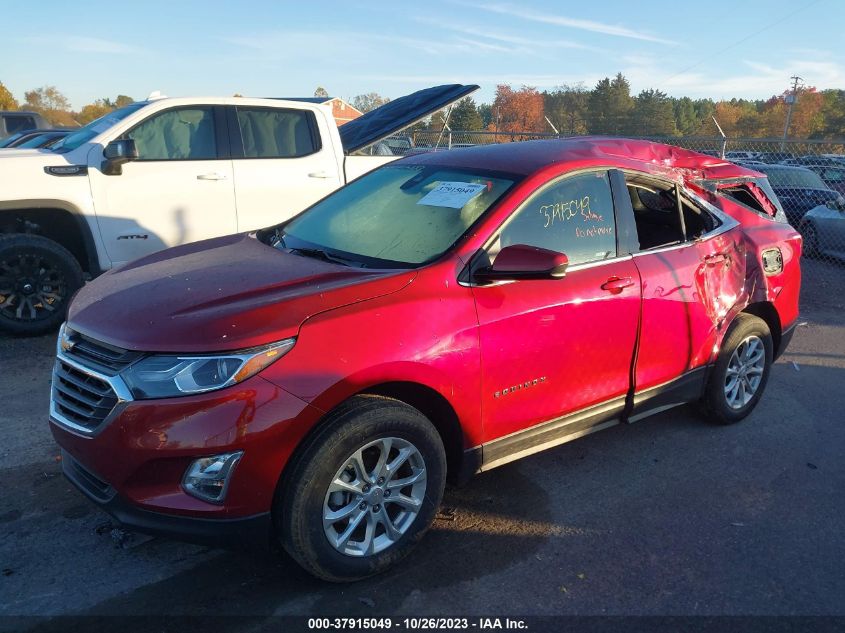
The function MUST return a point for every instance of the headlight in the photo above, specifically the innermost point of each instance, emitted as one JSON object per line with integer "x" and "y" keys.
{"x": 165, "y": 376}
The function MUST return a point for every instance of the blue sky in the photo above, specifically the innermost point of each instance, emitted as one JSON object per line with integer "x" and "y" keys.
{"x": 723, "y": 49}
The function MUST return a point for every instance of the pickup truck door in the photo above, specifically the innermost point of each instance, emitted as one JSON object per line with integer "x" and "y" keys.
{"x": 283, "y": 161}
{"x": 179, "y": 190}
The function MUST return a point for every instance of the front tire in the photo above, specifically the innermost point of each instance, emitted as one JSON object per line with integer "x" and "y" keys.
{"x": 363, "y": 491}
{"x": 741, "y": 372}
{"x": 37, "y": 279}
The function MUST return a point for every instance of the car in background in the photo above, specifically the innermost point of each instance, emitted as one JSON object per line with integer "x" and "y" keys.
{"x": 774, "y": 157}
{"x": 514, "y": 297}
{"x": 737, "y": 156}
{"x": 799, "y": 189}
{"x": 14, "y": 121}
{"x": 823, "y": 228}
{"x": 35, "y": 139}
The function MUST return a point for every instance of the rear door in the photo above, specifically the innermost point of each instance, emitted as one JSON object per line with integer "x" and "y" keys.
{"x": 693, "y": 272}
{"x": 283, "y": 162}
{"x": 555, "y": 347}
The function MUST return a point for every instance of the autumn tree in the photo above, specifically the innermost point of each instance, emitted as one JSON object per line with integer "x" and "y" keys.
{"x": 518, "y": 110}
{"x": 94, "y": 111}
{"x": 7, "y": 101}
{"x": 368, "y": 101}
{"x": 51, "y": 104}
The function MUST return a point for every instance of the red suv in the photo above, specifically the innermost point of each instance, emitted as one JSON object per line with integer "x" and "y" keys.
{"x": 315, "y": 383}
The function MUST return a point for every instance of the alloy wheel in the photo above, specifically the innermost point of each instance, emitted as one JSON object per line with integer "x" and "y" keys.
{"x": 31, "y": 287}
{"x": 374, "y": 497}
{"x": 745, "y": 372}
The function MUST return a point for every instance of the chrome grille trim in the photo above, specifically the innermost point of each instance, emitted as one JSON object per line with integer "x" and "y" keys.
{"x": 92, "y": 395}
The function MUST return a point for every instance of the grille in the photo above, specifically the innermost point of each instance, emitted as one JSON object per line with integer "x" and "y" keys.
{"x": 85, "y": 479}
{"x": 81, "y": 398}
{"x": 100, "y": 356}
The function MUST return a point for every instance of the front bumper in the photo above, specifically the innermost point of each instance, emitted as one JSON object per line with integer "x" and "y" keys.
{"x": 133, "y": 466}
{"x": 252, "y": 533}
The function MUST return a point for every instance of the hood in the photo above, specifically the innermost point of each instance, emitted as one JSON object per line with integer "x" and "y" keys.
{"x": 12, "y": 152}
{"x": 223, "y": 294}
{"x": 398, "y": 114}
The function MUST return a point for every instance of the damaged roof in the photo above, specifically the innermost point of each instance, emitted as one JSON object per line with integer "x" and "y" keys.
{"x": 527, "y": 157}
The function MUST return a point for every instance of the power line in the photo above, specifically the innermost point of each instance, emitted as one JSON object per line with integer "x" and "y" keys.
{"x": 744, "y": 39}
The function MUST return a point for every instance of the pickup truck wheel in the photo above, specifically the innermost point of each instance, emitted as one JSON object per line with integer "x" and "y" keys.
{"x": 37, "y": 279}
{"x": 364, "y": 491}
{"x": 741, "y": 371}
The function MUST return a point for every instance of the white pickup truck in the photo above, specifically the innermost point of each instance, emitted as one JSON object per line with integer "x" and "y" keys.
{"x": 164, "y": 172}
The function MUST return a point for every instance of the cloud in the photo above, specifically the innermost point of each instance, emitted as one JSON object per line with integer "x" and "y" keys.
{"x": 572, "y": 23}
{"x": 77, "y": 44}
{"x": 522, "y": 44}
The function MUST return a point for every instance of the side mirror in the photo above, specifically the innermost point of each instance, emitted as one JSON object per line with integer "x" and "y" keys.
{"x": 520, "y": 261}
{"x": 116, "y": 153}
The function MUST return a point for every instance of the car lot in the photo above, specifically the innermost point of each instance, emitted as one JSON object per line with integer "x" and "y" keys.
{"x": 666, "y": 516}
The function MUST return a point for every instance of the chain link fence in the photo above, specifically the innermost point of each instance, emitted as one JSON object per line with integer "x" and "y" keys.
{"x": 808, "y": 177}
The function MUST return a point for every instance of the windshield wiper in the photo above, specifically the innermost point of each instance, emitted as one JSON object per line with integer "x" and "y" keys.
{"x": 318, "y": 253}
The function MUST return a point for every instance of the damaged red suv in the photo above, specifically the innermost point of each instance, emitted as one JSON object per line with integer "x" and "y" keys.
{"x": 314, "y": 384}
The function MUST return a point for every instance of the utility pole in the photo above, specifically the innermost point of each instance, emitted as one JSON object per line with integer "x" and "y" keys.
{"x": 791, "y": 99}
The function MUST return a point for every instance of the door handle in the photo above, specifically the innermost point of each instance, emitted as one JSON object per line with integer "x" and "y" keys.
{"x": 213, "y": 176}
{"x": 715, "y": 258}
{"x": 615, "y": 285}
{"x": 319, "y": 174}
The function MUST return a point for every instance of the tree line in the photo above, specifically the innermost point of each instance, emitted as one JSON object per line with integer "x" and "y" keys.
{"x": 607, "y": 108}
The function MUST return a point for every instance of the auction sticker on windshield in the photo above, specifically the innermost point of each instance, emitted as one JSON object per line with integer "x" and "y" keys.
{"x": 451, "y": 194}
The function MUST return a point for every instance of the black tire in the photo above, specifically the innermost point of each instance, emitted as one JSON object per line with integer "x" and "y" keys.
{"x": 299, "y": 505}
{"x": 811, "y": 241}
{"x": 716, "y": 404}
{"x": 37, "y": 279}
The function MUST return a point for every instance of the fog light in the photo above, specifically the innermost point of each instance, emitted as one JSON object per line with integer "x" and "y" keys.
{"x": 208, "y": 477}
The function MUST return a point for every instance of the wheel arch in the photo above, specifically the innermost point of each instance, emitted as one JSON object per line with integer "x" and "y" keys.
{"x": 766, "y": 311}
{"x": 56, "y": 220}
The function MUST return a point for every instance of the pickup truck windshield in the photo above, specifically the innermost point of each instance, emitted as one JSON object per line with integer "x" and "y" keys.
{"x": 97, "y": 126}
{"x": 397, "y": 216}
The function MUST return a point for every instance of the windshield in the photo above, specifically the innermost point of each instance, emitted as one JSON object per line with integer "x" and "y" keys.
{"x": 397, "y": 216}
{"x": 97, "y": 126}
{"x": 801, "y": 178}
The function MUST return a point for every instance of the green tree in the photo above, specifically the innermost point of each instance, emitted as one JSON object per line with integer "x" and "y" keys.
{"x": 7, "y": 101}
{"x": 653, "y": 114}
{"x": 485, "y": 111}
{"x": 465, "y": 116}
{"x": 321, "y": 92}
{"x": 567, "y": 106}
{"x": 610, "y": 106}
{"x": 123, "y": 100}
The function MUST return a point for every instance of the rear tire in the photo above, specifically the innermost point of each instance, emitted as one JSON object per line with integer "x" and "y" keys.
{"x": 739, "y": 377}
{"x": 37, "y": 279}
{"x": 343, "y": 512}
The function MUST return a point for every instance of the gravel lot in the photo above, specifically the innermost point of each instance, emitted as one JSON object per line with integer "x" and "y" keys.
{"x": 669, "y": 516}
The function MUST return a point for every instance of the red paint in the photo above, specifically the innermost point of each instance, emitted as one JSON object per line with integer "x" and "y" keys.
{"x": 566, "y": 344}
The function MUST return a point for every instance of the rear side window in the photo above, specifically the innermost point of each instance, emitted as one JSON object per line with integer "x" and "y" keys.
{"x": 17, "y": 123}
{"x": 178, "y": 134}
{"x": 277, "y": 133}
{"x": 573, "y": 216}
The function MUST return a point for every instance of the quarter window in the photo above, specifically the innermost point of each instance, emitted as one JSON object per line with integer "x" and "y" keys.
{"x": 573, "y": 216}
{"x": 276, "y": 133}
{"x": 179, "y": 134}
